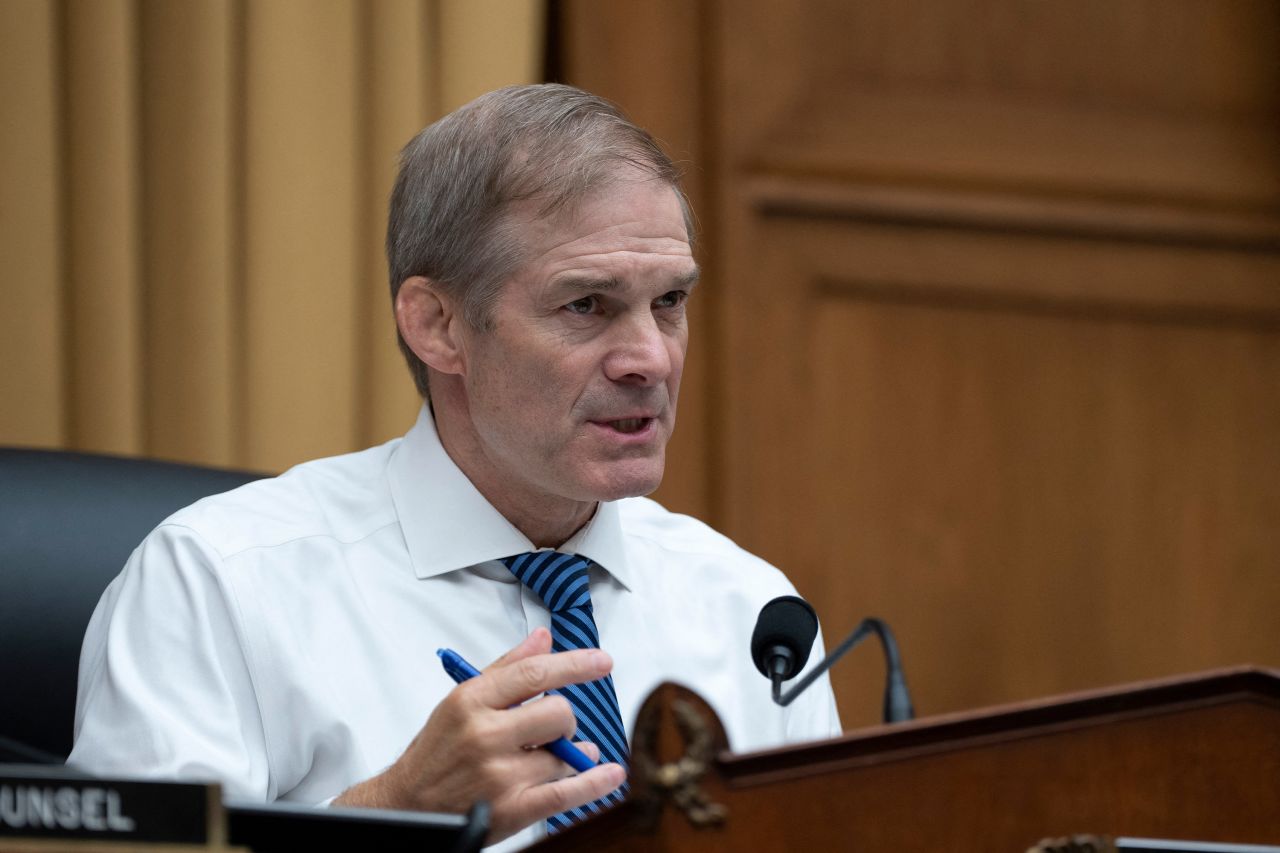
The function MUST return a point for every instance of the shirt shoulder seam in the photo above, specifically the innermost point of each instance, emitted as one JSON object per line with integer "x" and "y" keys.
{"x": 727, "y": 545}
{"x": 232, "y": 554}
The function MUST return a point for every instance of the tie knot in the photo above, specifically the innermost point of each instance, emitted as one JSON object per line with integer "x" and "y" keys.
{"x": 560, "y": 580}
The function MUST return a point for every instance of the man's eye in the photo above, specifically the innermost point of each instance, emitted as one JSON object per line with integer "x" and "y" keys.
{"x": 671, "y": 299}
{"x": 585, "y": 305}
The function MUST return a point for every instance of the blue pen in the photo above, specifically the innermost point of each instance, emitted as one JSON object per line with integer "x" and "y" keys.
{"x": 459, "y": 670}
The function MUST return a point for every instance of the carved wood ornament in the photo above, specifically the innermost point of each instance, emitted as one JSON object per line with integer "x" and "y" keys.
{"x": 660, "y": 774}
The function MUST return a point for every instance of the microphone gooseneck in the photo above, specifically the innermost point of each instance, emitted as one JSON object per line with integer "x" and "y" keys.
{"x": 783, "y": 627}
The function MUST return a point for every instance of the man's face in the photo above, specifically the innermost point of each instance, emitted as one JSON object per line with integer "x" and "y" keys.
{"x": 571, "y": 393}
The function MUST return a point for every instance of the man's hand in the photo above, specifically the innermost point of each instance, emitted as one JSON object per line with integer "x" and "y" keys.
{"x": 475, "y": 746}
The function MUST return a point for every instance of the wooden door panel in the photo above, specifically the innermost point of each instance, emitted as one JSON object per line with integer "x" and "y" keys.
{"x": 1047, "y": 472}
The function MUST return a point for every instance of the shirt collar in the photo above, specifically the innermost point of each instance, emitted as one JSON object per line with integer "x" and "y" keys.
{"x": 448, "y": 525}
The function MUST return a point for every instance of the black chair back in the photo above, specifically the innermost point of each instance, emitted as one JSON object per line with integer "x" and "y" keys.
{"x": 68, "y": 523}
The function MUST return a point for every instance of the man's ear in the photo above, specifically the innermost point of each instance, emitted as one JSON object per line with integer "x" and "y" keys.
{"x": 430, "y": 325}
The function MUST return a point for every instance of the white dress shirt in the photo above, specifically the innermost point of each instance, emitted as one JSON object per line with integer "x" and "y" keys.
{"x": 281, "y": 638}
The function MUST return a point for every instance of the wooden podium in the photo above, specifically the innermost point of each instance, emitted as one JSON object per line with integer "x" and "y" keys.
{"x": 1195, "y": 757}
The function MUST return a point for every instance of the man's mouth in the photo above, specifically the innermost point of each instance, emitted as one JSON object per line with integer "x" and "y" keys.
{"x": 628, "y": 425}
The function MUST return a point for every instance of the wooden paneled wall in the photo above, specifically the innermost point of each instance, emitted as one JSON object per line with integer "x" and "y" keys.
{"x": 990, "y": 345}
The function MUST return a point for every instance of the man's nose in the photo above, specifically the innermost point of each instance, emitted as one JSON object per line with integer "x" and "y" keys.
{"x": 641, "y": 353}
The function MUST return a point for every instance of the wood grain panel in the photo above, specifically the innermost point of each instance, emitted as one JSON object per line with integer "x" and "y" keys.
{"x": 1048, "y": 467}
{"x": 1137, "y": 98}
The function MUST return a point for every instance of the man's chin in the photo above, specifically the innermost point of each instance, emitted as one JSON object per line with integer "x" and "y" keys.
{"x": 628, "y": 483}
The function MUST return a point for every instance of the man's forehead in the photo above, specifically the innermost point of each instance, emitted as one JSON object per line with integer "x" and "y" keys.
{"x": 542, "y": 217}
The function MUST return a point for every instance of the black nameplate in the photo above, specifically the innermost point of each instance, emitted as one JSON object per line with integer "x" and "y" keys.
{"x": 37, "y": 802}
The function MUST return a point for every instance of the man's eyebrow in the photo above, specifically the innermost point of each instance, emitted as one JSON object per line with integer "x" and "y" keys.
{"x": 689, "y": 279}
{"x": 586, "y": 283}
{"x": 600, "y": 284}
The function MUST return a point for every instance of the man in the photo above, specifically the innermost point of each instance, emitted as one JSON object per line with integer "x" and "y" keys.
{"x": 281, "y": 638}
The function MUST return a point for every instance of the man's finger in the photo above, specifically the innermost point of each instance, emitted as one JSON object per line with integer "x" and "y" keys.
{"x": 541, "y": 801}
{"x": 503, "y": 686}
{"x": 589, "y": 749}
{"x": 537, "y": 723}
{"x": 539, "y": 765}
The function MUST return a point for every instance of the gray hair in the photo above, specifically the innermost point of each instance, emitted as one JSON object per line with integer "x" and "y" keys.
{"x": 459, "y": 177}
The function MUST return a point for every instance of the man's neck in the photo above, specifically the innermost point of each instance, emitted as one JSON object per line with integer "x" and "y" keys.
{"x": 544, "y": 530}
{"x": 546, "y": 522}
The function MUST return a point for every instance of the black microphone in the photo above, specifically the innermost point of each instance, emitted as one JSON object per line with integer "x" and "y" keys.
{"x": 781, "y": 628}
{"x": 784, "y": 634}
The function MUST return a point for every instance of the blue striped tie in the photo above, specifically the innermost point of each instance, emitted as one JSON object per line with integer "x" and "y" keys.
{"x": 560, "y": 580}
